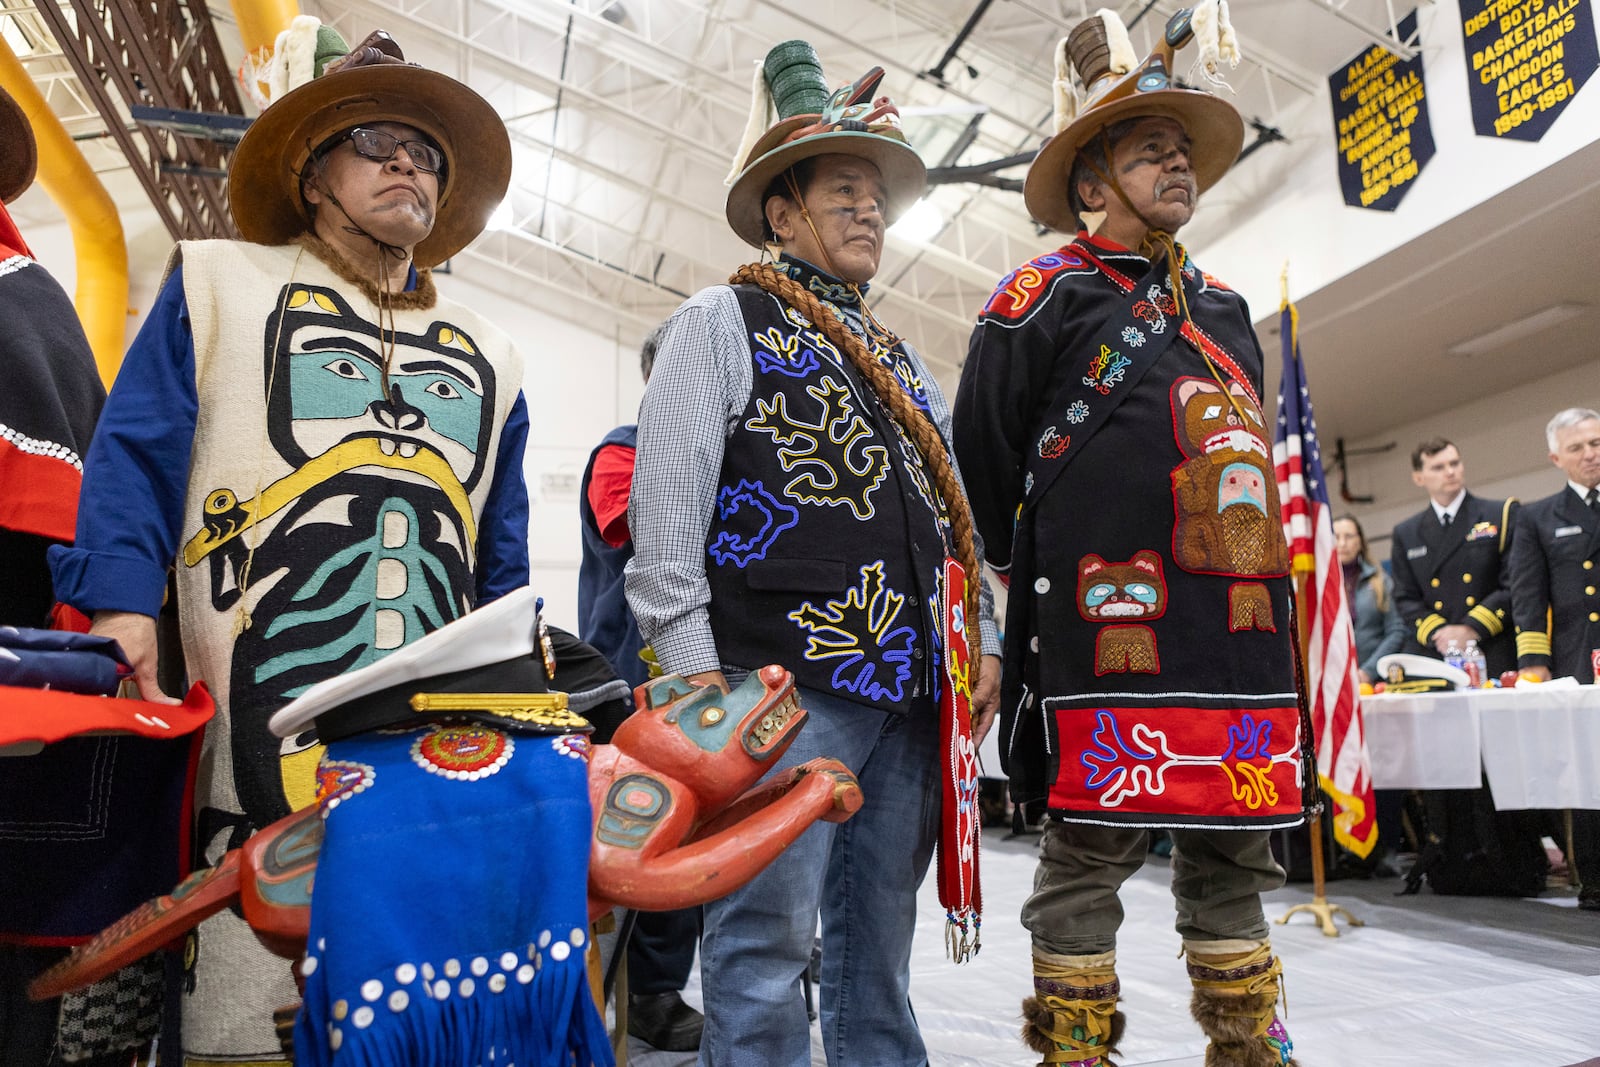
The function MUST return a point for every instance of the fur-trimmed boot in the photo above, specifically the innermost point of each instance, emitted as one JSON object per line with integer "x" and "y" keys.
{"x": 1072, "y": 1019}
{"x": 1236, "y": 990}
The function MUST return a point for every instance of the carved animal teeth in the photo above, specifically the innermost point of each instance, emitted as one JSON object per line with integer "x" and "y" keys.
{"x": 408, "y": 449}
{"x": 386, "y": 445}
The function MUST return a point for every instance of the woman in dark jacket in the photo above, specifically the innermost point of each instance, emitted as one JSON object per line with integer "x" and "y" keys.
{"x": 1379, "y": 628}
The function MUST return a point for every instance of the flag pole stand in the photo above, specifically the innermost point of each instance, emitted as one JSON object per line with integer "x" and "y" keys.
{"x": 1320, "y": 907}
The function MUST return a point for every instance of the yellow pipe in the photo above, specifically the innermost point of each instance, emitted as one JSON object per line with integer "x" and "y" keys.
{"x": 260, "y": 21}
{"x": 102, "y": 255}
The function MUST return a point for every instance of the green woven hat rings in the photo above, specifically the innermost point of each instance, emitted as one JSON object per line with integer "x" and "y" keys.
{"x": 794, "y": 75}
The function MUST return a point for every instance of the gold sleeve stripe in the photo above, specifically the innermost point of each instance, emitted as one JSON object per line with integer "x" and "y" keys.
{"x": 1486, "y": 618}
{"x": 1533, "y": 643}
{"x": 1427, "y": 624}
{"x": 1505, "y": 521}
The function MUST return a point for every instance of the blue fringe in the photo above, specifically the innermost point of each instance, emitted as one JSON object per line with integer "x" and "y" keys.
{"x": 549, "y": 1022}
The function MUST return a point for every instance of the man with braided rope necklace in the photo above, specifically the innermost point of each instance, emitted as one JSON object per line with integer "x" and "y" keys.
{"x": 328, "y": 448}
{"x": 1110, "y": 400}
{"x": 793, "y": 502}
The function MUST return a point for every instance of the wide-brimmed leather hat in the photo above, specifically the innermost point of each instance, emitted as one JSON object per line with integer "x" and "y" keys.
{"x": 1116, "y": 87}
{"x": 811, "y": 122}
{"x": 19, "y": 156}
{"x": 372, "y": 83}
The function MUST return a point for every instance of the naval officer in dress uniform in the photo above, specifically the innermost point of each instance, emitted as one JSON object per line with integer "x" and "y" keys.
{"x": 1449, "y": 582}
{"x": 1555, "y": 592}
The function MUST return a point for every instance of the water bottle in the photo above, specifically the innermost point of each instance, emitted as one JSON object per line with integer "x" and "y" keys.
{"x": 1455, "y": 657}
{"x": 1474, "y": 663}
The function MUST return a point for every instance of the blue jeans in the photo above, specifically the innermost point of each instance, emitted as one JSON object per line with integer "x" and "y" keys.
{"x": 863, "y": 877}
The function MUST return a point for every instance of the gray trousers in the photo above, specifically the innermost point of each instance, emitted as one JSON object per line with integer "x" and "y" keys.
{"x": 1218, "y": 877}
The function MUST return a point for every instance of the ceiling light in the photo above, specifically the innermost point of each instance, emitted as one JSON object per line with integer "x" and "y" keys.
{"x": 1502, "y": 335}
{"x": 921, "y": 223}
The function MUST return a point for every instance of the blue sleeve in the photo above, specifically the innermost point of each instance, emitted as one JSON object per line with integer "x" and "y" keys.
{"x": 136, "y": 472}
{"x": 503, "y": 531}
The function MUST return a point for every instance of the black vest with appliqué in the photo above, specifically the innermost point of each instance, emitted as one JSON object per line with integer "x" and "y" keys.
{"x": 825, "y": 549}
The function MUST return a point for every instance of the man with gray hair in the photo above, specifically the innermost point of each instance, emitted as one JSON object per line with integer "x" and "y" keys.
{"x": 1555, "y": 591}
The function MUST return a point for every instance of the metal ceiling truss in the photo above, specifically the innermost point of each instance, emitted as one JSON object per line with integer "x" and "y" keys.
{"x": 1383, "y": 36}
{"x": 157, "y": 53}
{"x": 598, "y": 237}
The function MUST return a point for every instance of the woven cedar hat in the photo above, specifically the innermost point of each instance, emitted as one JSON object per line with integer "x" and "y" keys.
{"x": 19, "y": 156}
{"x": 321, "y": 88}
{"x": 1117, "y": 87}
{"x": 812, "y": 123}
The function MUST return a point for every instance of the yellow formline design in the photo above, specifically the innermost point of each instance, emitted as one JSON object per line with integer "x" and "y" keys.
{"x": 362, "y": 452}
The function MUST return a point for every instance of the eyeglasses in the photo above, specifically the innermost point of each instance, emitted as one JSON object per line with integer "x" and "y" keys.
{"x": 381, "y": 147}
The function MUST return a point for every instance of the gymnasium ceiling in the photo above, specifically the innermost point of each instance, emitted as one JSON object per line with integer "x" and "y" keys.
{"x": 624, "y": 115}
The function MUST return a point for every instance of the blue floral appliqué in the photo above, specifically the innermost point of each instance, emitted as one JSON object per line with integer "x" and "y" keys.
{"x": 1133, "y": 336}
{"x": 776, "y": 517}
{"x": 905, "y": 374}
{"x": 790, "y": 354}
{"x": 860, "y": 631}
{"x": 1100, "y": 759}
{"x": 1077, "y": 411}
{"x": 1249, "y": 739}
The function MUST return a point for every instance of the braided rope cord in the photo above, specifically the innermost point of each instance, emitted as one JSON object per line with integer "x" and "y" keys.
{"x": 905, "y": 413}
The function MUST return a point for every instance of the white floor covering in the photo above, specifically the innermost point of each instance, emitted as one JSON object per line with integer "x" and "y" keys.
{"x": 1414, "y": 986}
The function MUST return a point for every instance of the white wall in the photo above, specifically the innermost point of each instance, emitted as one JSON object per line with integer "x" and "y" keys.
{"x": 1501, "y": 438}
{"x": 1283, "y": 205}
{"x": 579, "y": 385}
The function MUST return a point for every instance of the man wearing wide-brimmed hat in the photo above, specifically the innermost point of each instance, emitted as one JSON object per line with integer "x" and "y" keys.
{"x": 1110, "y": 418}
{"x": 327, "y": 451}
{"x": 793, "y": 502}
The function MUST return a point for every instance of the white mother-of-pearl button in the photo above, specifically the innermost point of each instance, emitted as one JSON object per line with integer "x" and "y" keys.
{"x": 1042, "y": 585}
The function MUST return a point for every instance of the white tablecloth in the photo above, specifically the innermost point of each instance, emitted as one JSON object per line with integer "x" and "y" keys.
{"x": 1540, "y": 746}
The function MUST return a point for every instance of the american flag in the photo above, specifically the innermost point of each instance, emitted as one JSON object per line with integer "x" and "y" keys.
{"x": 1342, "y": 764}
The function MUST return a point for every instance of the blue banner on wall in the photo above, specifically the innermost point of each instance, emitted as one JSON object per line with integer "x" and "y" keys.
{"x": 1380, "y": 121}
{"x": 1526, "y": 60}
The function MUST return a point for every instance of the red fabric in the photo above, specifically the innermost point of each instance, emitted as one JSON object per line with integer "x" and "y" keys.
{"x": 11, "y": 242}
{"x": 48, "y": 715}
{"x": 66, "y": 617}
{"x": 959, "y": 890}
{"x": 41, "y": 494}
{"x": 1195, "y": 764}
{"x": 610, "y": 480}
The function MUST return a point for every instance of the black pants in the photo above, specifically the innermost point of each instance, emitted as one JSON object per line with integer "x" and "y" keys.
{"x": 661, "y": 951}
{"x": 1586, "y": 847}
{"x": 28, "y": 1028}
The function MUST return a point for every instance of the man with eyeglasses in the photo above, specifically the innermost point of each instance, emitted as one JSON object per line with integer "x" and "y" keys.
{"x": 324, "y": 450}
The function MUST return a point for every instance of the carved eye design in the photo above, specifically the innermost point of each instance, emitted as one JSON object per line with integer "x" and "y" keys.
{"x": 711, "y": 716}
{"x": 1211, "y": 411}
{"x": 444, "y": 390}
